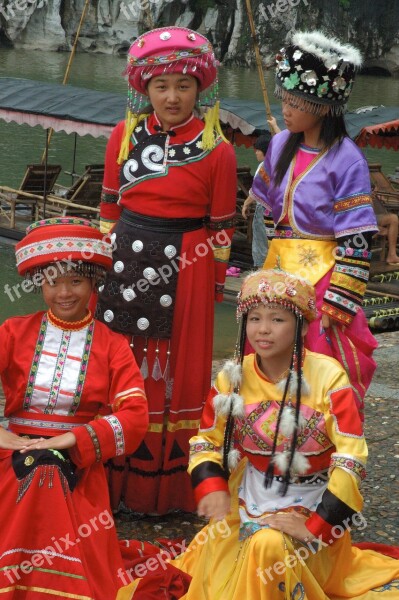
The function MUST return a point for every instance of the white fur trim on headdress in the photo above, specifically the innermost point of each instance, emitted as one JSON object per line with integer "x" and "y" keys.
{"x": 326, "y": 48}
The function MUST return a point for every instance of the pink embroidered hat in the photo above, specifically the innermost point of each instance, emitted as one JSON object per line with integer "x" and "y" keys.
{"x": 74, "y": 243}
{"x": 275, "y": 286}
{"x": 171, "y": 50}
{"x": 166, "y": 51}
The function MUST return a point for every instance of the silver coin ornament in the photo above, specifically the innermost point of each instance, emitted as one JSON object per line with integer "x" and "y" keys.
{"x": 137, "y": 246}
{"x": 170, "y": 251}
{"x": 129, "y": 294}
{"x": 119, "y": 266}
{"x": 149, "y": 273}
{"x": 165, "y": 300}
{"x": 143, "y": 323}
{"x": 108, "y": 316}
{"x": 165, "y": 36}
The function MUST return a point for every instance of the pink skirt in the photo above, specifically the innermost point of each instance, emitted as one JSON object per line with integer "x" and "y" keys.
{"x": 352, "y": 346}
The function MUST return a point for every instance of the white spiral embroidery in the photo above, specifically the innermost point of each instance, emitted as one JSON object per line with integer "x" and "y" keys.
{"x": 150, "y": 154}
{"x": 129, "y": 168}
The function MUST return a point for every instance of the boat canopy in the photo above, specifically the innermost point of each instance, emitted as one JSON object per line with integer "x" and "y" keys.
{"x": 61, "y": 107}
{"x": 89, "y": 112}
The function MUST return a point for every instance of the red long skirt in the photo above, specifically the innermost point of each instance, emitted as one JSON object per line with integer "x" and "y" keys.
{"x": 56, "y": 545}
{"x": 155, "y": 479}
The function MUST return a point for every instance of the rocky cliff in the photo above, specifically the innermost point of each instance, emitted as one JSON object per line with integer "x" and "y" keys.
{"x": 110, "y": 25}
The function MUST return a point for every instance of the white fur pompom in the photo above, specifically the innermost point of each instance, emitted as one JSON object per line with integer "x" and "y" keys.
{"x": 281, "y": 385}
{"x": 221, "y": 403}
{"x": 287, "y": 423}
{"x": 293, "y": 386}
{"x": 293, "y": 383}
{"x": 233, "y": 459}
{"x": 300, "y": 464}
{"x": 232, "y": 370}
{"x": 238, "y": 405}
{"x": 305, "y": 388}
{"x": 281, "y": 461}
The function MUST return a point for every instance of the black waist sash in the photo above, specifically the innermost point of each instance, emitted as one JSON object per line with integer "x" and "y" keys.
{"x": 139, "y": 294}
{"x": 160, "y": 224}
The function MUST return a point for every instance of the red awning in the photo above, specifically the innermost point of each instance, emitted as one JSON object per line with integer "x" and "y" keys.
{"x": 382, "y": 135}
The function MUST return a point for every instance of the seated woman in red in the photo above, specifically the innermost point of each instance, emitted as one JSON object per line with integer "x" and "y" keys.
{"x": 60, "y": 371}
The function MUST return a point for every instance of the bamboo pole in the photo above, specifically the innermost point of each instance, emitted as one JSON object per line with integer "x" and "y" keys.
{"x": 148, "y": 16}
{"x": 259, "y": 62}
{"x": 69, "y": 65}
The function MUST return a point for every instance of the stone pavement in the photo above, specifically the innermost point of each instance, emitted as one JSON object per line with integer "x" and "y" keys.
{"x": 380, "y": 490}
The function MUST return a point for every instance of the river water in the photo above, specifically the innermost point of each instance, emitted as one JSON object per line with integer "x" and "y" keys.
{"x": 21, "y": 144}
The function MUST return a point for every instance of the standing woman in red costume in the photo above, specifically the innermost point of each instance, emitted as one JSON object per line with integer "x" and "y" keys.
{"x": 169, "y": 199}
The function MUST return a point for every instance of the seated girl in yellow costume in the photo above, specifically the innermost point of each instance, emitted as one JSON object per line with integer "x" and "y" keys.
{"x": 280, "y": 527}
{"x": 277, "y": 466}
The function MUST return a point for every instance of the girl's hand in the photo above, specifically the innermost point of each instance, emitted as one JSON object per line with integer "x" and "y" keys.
{"x": 327, "y": 322}
{"x": 274, "y": 128}
{"x": 11, "y": 441}
{"x": 246, "y": 205}
{"x": 290, "y": 523}
{"x": 215, "y": 505}
{"x": 59, "y": 442}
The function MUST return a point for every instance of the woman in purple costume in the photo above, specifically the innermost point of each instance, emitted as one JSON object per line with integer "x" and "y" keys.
{"x": 315, "y": 186}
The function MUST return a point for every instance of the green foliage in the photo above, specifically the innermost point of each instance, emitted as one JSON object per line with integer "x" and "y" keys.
{"x": 345, "y": 4}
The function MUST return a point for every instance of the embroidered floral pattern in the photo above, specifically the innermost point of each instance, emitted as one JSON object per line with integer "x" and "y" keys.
{"x": 348, "y": 463}
{"x": 352, "y": 271}
{"x": 58, "y": 371}
{"x": 308, "y": 256}
{"x": 177, "y": 55}
{"x": 315, "y": 428}
{"x": 201, "y": 447}
{"x": 347, "y": 305}
{"x": 67, "y": 244}
{"x": 95, "y": 441}
{"x": 118, "y": 433}
{"x": 351, "y": 203}
{"x": 348, "y": 283}
{"x": 83, "y": 369}
{"x": 35, "y": 362}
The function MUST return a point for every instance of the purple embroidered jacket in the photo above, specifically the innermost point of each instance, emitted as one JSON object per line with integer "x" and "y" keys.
{"x": 330, "y": 200}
